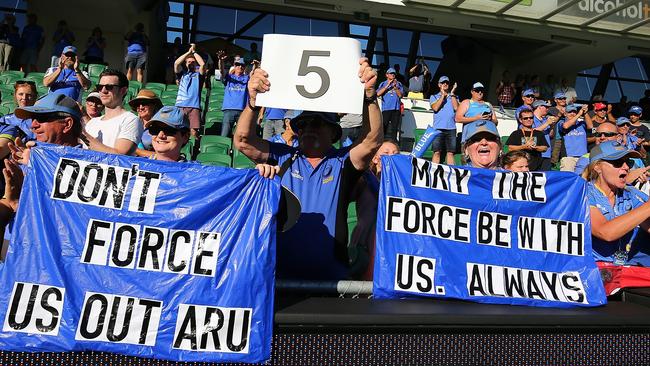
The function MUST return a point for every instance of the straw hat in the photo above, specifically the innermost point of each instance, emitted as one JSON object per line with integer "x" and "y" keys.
{"x": 147, "y": 96}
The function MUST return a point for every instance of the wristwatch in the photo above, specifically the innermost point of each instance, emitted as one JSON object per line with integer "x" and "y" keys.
{"x": 370, "y": 100}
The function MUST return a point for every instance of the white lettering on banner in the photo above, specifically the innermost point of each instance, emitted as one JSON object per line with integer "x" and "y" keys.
{"x": 637, "y": 10}
{"x": 551, "y": 236}
{"x": 156, "y": 249}
{"x": 212, "y": 329}
{"x": 416, "y": 274}
{"x": 35, "y": 309}
{"x": 492, "y": 280}
{"x": 442, "y": 177}
{"x": 104, "y": 185}
{"x": 119, "y": 319}
{"x": 405, "y": 215}
{"x": 493, "y": 229}
{"x": 519, "y": 186}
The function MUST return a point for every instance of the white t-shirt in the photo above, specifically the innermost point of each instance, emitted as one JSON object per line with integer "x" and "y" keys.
{"x": 125, "y": 126}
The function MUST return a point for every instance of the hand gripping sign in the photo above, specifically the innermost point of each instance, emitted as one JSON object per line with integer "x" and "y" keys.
{"x": 140, "y": 257}
{"x": 312, "y": 73}
{"x": 483, "y": 235}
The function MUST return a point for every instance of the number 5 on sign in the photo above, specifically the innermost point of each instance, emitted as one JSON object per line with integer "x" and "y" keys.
{"x": 312, "y": 73}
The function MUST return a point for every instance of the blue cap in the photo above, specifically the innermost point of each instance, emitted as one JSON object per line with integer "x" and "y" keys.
{"x": 572, "y": 108}
{"x": 69, "y": 49}
{"x": 240, "y": 61}
{"x": 478, "y": 85}
{"x": 443, "y": 78}
{"x": 611, "y": 150}
{"x": 298, "y": 121}
{"x": 528, "y": 92}
{"x": 539, "y": 103}
{"x": 559, "y": 95}
{"x": 480, "y": 126}
{"x": 172, "y": 117}
{"x": 620, "y": 121}
{"x": 51, "y": 103}
{"x": 636, "y": 110}
{"x": 391, "y": 71}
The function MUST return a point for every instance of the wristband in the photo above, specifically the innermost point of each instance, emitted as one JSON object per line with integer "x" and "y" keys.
{"x": 370, "y": 100}
{"x": 254, "y": 109}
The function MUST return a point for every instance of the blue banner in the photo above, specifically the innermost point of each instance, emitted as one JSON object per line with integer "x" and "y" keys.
{"x": 140, "y": 257}
{"x": 483, "y": 235}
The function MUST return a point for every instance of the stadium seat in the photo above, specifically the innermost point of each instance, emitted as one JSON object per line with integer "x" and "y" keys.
{"x": 503, "y": 143}
{"x": 36, "y": 77}
{"x": 241, "y": 161}
{"x": 95, "y": 69}
{"x": 155, "y": 86}
{"x": 215, "y": 142}
{"x": 83, "y": 66}
{"x": 169, "y": 93}
{"x": 214, "y": 159}
{"x": 171, "y": 101}
{"x": 42, "y": 90}
{"x": 188, "y": 149}
{"x": 171, "y": 87}
{"x": 352, "y": 219}
{"x": 11, "y": 104}
{"x": 18, "y": 74}
{"x": 9, "y": 78}
{"x": 136, "y": 84}
{"x": 7, "y": 92}
{"x": 458, "y": 159}
{"x": 4, "y": 110}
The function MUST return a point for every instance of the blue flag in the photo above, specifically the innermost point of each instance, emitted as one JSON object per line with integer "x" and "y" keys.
{"x": 140, "y": 257}
{"x": 483, "y": 235}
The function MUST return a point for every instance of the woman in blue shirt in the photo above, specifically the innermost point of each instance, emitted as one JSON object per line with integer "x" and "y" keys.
{"x": 618, "y": 211}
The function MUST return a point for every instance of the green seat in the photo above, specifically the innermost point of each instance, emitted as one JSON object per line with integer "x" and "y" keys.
{"x": 188, "y": 149}
{"x": 503, "y": 144}
{"x": 95, "y": 69}
{"x": 83, "y": 66}
{"x": 169, "y": 93}
{"x": 136, "y": 84}
{"x": 458, "y": 159}
{"x": 168, "y": 101}
{"x": 9, "y": 79}
{"x": 215, "y": 143}
{"x": 42, "y": 90}
{"x": 241, "y": 161}
{"x": 155, "y": 86}
{"x": 18, "y": 74}
{"x": 418, "y": 132}
{"x": 4, "y": 110}
{"x": 11, "y": 104}
{"x": 171, "y": 87}
{"x": 214, "y": 159}
{"x": 36, "y": 77}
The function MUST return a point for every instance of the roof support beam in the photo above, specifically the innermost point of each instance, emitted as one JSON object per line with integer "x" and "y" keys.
{"x": 559, "y": 9}
{"x": 605, "y": 14}
{"x": 508, "y": 6}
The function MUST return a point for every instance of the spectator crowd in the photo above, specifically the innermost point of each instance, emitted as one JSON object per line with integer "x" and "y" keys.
{"x": 605, "y": 143}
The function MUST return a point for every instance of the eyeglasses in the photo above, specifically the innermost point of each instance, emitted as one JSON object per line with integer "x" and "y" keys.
{"x": 167, "y": 130}
{"x": 605, "y": 134}
{"x": 143, "y": 104}
{"x": 109, "y": 87}
{"x": 619, "y": 163}
{"x": 525, "y": 118}
{"x": 52, "y": 117}
{"x": 94, "y": 104}
{"x": 529, "y": 96}
{"x": 23, "y": 82}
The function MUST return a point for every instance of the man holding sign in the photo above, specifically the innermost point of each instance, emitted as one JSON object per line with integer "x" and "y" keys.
{"x": 320, "y": 175}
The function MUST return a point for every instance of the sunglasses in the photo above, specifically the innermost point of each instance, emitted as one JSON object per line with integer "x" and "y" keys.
{"x": 23, "y": 82}
{"x": 525, "y": 118}
{"x": 478, "y": 90}
{"x": 242, "y": 65}
{"x": 167, "y": 130}
{"x": 619, "y": 163}
{"x": 560, "y": 98}
{"x": 109, "y": 87}
{"x": 52, "y": 117}
{"x": 635, "y": 114}
{"x": 529, "y": 96}
{"x": 444, "y": 82}
{"x": 95, "y": 104}
{"x": 605, "y": 134}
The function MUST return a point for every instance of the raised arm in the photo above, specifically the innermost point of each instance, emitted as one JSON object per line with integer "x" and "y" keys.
{"x": 48, "y": 79}
{"x": 372, "y": 132}
{"x": 178, "y": 64}
{"x": 245, "y": 138}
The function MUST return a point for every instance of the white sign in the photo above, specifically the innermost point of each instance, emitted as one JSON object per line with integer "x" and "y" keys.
{"x": 312, "y": 73}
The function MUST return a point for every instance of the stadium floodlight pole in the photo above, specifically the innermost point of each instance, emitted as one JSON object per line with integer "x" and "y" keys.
{"x": 635, "y": 25}
{"x": 559, "y": 9}
{"x": 606, "y": 14}
{"x": 508, "y": 6}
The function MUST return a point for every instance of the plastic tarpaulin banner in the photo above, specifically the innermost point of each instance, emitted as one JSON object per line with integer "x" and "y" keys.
{"x": 140, "y": 257}
{"x": 483, "y": 235}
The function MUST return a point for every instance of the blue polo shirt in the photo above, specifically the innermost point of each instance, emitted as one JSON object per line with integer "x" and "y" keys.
{"x": 625, "y": 201}
{"x": 235, "y": 95}
{"x": 445, "y": 118}
{"x": 279, "y": 140}
{"x": 547, "y": 135}
{"x": 189, "y": 89}
{"x": 390, "y": 101}
{"x": 137, "y": 44}
{"x": 19, "y": 127}
{"x": 575, "y": 139}
{"x": 274, "y": 113}
{"x": 307, "y": 250}
{"x": 66, "y": 83}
